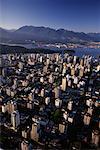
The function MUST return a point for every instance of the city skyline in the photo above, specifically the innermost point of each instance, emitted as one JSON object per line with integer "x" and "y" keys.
{"x": 49, "y": 74}
{"x": 76, "y": 15}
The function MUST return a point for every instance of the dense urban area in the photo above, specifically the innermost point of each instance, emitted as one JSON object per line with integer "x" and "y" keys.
{"x": 49, "y": 101}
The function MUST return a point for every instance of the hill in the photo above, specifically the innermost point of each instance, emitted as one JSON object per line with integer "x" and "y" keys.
{"x": 27, "y": 34}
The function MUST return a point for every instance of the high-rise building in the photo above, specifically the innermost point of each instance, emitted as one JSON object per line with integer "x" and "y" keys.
{"x": 41, "y": 59}
{"x": 25, "y": 145}
{"x": 82, "y": 62}
{"x": 4, "y": 108}
{"x": 42, "y": 79}
{"x": 47, "y": 100}
{"x": 75, "y": 80}
{"x": 31, "y": 96}
{"x": 69, "y": 83}
{"x": 45, "y": 69}
{"x": 57, "y": 92}
{"x": 42, "y": 92}
{"x": 20, "y": 65}
{"x": 58, "y": 102}
{"x": 65, "y": 115}
{"x": 64, "y": 84}
{"x": 48, "y": 61}
{"x": 8, "y": 91}
{"x": 95, "y": 137}
{"x": 15, "y": 119}
{"x": 87, "y": 119}
{"x": 64, "y": 70}
{"x": 30, "y": 105}
{"x": 81, "y": 72}
{"x": 57, "y": 58}
{"x": 70, "y": 105}
{"x": 98, "y": 68}
{"x": 74, "y": 59}
{"x": 90, "y": 110}
{"x": 35, "y": 131}
{"x": 26, "y": 133}
{"x": 62, "y": 127}
{"x": 11, "y": 106}
{"x": 51, "y": 78}
{"x": 72, "y": 71}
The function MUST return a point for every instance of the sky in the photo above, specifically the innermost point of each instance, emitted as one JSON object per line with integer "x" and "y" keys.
{"x": 76, "y": 15}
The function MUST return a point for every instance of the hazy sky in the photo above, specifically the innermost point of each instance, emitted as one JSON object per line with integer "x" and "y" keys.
{"x": 77, "y": 15}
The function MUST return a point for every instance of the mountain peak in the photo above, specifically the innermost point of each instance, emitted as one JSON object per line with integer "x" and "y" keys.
{"x": 46, "y": 34}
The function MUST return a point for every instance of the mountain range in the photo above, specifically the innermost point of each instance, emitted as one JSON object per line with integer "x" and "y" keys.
{"x": 27, "y": 34}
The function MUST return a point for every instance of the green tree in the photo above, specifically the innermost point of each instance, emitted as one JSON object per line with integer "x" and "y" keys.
{"x": 56, "y": 116}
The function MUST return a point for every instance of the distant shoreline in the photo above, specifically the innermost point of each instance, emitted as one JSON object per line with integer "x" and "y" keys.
{"x": 7, "y": 49}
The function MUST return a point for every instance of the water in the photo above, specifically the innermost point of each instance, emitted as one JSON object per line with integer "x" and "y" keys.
{"x": 78, "y": 51}
{"x": 87, "y": 51}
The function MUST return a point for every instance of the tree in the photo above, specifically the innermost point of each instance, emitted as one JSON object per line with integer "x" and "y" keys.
{"x": 56, "y": 116}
